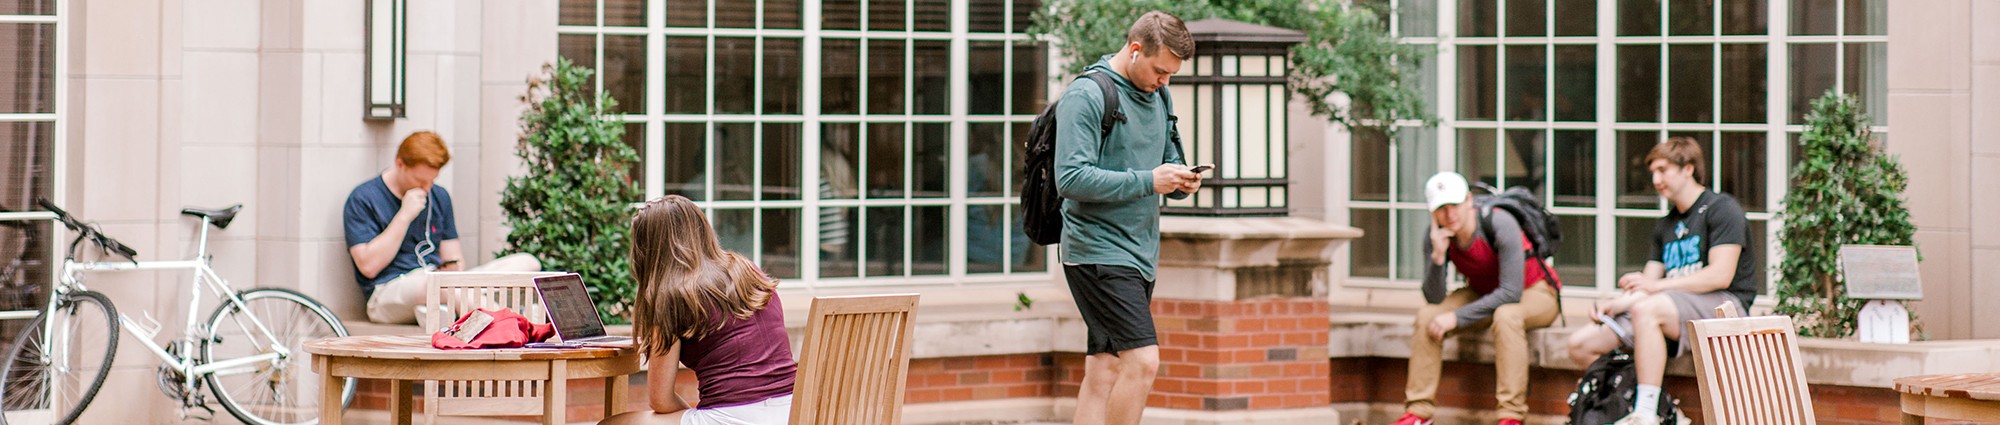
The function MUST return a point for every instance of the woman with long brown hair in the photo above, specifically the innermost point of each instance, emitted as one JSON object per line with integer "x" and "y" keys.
{"x": 709, "y": 309}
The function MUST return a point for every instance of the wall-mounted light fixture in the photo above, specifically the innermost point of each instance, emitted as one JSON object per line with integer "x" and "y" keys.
{"x": 1233, "y": 105}
{"x": 387, "y": 62}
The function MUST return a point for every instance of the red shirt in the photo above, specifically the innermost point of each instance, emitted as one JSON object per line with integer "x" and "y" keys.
{"x": 746, "y": 361}
{"x": 1481, "y": 266}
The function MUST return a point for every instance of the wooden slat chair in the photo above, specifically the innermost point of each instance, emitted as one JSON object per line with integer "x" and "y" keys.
{"x": 460, "y": 293}
{"x": 854, "y": 361}
{"x": 1749, "y": 370}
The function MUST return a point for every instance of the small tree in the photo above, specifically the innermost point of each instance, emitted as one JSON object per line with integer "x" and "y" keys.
{"x": 1844, "y": 191}
{"x": 571, "y": 210}
{"x": 1348, "y": 49}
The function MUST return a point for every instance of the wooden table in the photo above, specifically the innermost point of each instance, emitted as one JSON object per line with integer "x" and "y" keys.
{"x": 1969, "y": 396}
{"x": 406, "y": 360}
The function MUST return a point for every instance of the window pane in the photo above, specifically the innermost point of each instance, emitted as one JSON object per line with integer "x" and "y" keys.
{"x": 1369, "y": 255}
{"x": 932, "y": 68}
{"x": 580, "y": 49}
{"x": 1031, "y": 70}
{"x": 886, "y": 15}
{"x": 687, "y": 13}
{"x": 1814, "y": 17}
{"x": 1477, "y": 156}
{"x": 1527, "y": 83}
{"x": 1527, "y": 18}
{"x": 885, "y": 241}
{"x": 988, "y": 15}
{"x": 1576, "y": 18}
{"x": 1576, "y": 261}
{"x": 986, "y": 157}
{"x": 1024, "y": 12}
{"x": 930, "y": 160}
{"x": 1747, "y": 86}
{"x": 734, "y": 229}
{"x": 840, "y": 76}
{"x": 1639, "y": 83}
{"x": 781, "y": 161}
{"x": 28, "y": 7}
{"x": 1016, "y": 164}
{"x": 735, "y": 75}
{"x": 1638, "y": 17}
{"x": 624, "y": 72}
{"x": 1812, "y": 75}
{"x": 1477, "y": 82}
{"x": 836, "y": 242}
{"x": 1866, "y": 78}
{"x": 1523, "y": 161}
{"x": 735, "y": 14}
{"x": 782, "y": 14}
{"x": 1758, "y": 241}
{"x": 987, "y": 76}
{"x": 838, "y": 154}
{"x": 1028, "y": 257}
{"x": 1745, "y": 17}
{"x": 885, "y": 76}
{"x": 1866, "y": 17}
{"x": 985, "y": 238}
{"x": 1369, "y": 165}
{"x": 1576, "y": 83}
{"x": 1416, "y": 160}
{"x": 840, "y": 14}
{"x": 1476, "y": 18}
{"x": 1742, "y": 170}
{"x": 1574, "y": 168}
{"x": 687, "y": 73}
{"x": 781, "y": 243}
{"x": 1412, "y": 225}
{"x": 933, "y": 15}
{"x": 625, "y": 13}
{"x": 1635, "y": 183}
{"x": 1417, "y": 18}
{"x": 685, "y": 160}
{"x": 27, "y": 155}
{"x": 1635, "y": 244}
{"x": 1691, "y": 17}
{"x": 1691, "y": 88}
{"x": 884, "y": 161}
{"x": 735, "y": 149}
{"x": 571, "y": 12}
{"x": 930, "y": 235}
{"x": 635, "y": 137}
{"x": 784, "y": 73}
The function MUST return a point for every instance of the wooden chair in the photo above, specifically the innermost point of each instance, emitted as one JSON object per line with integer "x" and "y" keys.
{"x": 1749, "y": 370}
{"x": 460, "y": 293}
{"x": 854, "y": 361}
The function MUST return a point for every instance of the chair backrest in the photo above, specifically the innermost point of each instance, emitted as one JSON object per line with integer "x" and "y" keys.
{"x": 1750, "y": 371}
{"x": 459, "y": 293}
{"x": 854, "y": 361}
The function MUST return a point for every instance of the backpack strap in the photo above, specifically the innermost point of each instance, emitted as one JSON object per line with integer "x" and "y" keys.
{"x": 1112, "y": 114}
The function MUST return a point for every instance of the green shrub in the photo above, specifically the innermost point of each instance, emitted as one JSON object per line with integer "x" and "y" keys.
{"x": 1844, "y": 191}
{"x": 572, "y": 209}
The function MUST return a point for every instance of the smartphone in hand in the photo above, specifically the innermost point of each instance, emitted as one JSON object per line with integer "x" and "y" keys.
{"x": 1198, "y": 169}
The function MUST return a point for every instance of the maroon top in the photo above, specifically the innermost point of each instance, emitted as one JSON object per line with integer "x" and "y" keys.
{"x": 746, "y": 361}
{"x": 1481, "y": 266}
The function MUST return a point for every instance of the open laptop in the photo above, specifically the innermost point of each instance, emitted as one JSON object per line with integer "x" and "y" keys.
{"x": 570, "y": 310}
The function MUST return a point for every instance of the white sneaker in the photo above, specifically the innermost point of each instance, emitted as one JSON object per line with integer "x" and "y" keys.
{"x": 1639, "y": 418}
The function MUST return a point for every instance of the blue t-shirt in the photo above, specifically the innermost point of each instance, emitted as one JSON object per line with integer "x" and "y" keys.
{"x": 372, "y": 206}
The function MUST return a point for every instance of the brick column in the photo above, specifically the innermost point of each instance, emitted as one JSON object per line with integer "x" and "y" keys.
{"x": 1242, "y": 314}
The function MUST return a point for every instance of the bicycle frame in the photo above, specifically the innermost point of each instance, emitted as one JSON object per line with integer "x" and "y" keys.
{"x": 185, "y": 362}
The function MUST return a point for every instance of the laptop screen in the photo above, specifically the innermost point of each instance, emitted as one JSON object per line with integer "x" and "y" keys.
{"x": 569, "y": 306}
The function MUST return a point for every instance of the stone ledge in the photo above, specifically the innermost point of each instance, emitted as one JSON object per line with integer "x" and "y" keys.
{"x": 1252, "y": 228}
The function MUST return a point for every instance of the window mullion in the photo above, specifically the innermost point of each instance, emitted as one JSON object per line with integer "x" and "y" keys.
{"x": 961, "y": 21}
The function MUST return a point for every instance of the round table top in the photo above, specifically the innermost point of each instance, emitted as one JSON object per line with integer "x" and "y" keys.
{"x": 418, "y": 347}
{"x": 1974, "y": 386}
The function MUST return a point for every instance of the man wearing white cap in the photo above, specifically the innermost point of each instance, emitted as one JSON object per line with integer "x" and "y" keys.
{"x": 1507, "y": 292}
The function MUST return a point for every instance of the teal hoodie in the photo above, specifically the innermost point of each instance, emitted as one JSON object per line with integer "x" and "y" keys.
{"x": 1110, "y": 214}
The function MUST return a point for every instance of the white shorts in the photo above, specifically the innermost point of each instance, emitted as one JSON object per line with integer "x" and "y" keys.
{"x": 771, "y": 411}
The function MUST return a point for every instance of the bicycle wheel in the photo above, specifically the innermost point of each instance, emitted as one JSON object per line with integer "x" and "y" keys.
{"x": 286, "y": 389}
{"x": 51, "y": 378}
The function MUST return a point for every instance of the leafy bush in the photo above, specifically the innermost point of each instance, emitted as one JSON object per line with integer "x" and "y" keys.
{"x": 1844, "y": 191}
{"x": 571, "y": 210}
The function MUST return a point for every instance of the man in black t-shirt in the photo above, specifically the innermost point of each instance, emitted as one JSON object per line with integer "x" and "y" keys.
{"x": 1701, "y": 258}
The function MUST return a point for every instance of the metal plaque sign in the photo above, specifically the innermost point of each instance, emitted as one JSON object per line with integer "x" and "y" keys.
{"x": 1881, "y": 272}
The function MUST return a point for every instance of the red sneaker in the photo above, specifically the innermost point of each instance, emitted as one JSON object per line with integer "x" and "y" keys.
{"x": 1411, "y": 419}
{"x": 1510, "y": 422}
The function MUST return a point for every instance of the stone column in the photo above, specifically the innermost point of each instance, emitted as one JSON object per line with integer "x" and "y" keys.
{"x": 1242, "y": 314}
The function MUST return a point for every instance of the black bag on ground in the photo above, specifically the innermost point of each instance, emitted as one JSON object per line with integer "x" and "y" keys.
{"x": 1607, "y": 391}
{"x": 1041, "y": 206}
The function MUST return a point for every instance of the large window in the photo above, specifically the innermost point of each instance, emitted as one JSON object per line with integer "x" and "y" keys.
{"x": 839, "y": 142}
{"x": 29, "y": 89}
{"x": 1567, "y": 96}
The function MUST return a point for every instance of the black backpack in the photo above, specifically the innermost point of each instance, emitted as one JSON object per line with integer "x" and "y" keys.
{"x": 1041, "y": 205}
{"x": 1607, "y": 391}
{"x": 1542, "y": 228}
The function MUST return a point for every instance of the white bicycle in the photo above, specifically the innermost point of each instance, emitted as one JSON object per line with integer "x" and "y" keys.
{"x": 249, "y": 353}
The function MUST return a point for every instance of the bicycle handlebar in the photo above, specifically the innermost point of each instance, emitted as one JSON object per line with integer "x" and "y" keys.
{"x": 88, "y": 231}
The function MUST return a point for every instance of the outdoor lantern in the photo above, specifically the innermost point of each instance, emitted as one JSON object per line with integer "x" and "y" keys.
{"x": 1232, "y": 104}
{"x": 387, "y": 64}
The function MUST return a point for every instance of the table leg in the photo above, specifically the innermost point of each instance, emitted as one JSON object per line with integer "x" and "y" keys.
{"x": 555, "y": 401}
{"x": 401, "y": 401}
{"x": 614, "y": 394}
{"x": 330, "y": 391}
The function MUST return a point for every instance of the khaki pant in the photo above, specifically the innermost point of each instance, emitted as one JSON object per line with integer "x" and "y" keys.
{"x": 1509, "y": 327}
{"x": 397, "y": 301}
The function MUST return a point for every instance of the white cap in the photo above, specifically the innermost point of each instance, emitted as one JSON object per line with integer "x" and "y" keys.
{"x": 1445, "y": 188}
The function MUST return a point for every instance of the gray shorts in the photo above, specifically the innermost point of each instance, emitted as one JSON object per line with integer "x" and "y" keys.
{"x": 1691, "y": 306}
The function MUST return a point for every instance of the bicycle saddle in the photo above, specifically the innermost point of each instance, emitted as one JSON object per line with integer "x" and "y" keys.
{"x": 218, "y": 217}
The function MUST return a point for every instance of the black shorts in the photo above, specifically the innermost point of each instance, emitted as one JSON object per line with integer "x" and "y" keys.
{"x": 1116, "y": 303}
